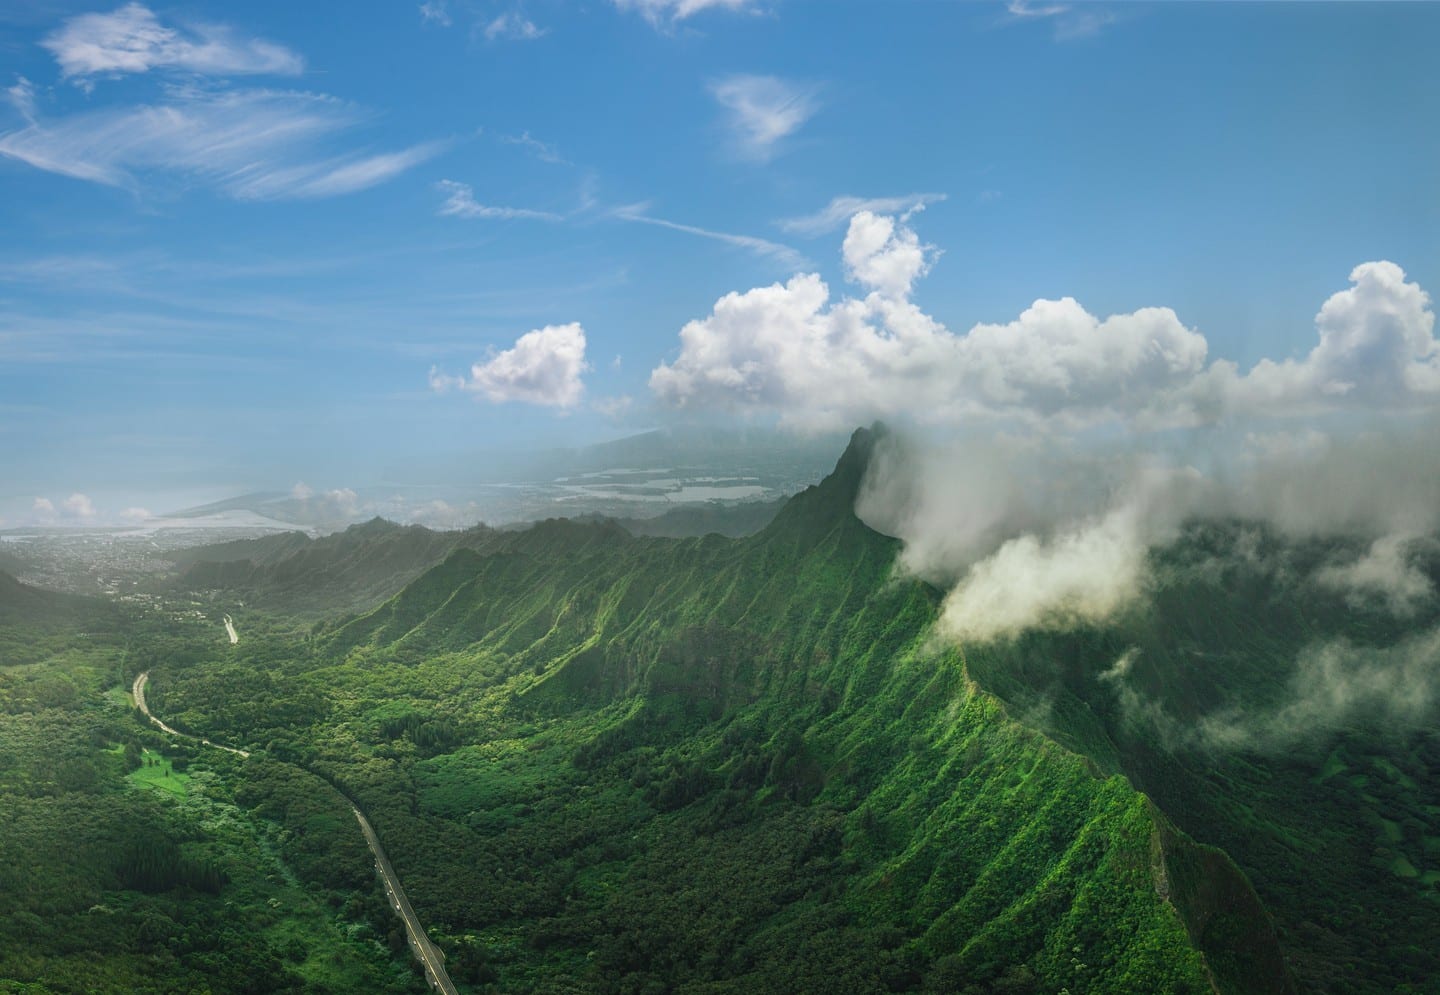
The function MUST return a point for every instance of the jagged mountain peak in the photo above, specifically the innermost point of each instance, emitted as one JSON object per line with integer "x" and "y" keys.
{"x": 833, "y": 499}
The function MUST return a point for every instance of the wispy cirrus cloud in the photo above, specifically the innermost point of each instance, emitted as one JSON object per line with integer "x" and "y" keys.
{"x": 249, "y": 144}
{"x": 840, "y": 210}
{"x": 763, "y": 110}
{"x": 666, "y": 12}
{"x": 335, "y": 177}
{"x": 1068, "y": 21}
{"x": 784, "y": 254}
{"x": 543, "y": 151}
{"x": 435, "y": 12}
{"x": 21, "y": 96}
{"x": 512, "y": 26}
{"x": 460, "y": 202}
{"x": 131, "y": 39}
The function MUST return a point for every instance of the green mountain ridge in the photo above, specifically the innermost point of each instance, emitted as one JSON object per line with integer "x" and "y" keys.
{"x": 350, "y": 569}
{"x": 628, "y": 764}
{"x": 1325, "y": 799}
{"x": 734, "y": 521}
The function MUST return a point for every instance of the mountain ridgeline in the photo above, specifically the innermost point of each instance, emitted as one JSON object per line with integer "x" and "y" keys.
{"x": 625, "y": 764}
{"x": 345, "y": 570}
{"x": 290, "y": 572}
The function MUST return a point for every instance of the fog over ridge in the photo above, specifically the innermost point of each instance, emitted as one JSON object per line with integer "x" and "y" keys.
{"x": 1035, "y": 465}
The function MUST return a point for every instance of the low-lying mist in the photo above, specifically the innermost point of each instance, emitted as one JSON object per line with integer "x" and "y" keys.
{"x": 1048, "y": 534}
{"x": 1046, "y": 458}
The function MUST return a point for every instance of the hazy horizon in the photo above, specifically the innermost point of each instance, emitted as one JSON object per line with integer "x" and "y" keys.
{"x": 241, "y": 260}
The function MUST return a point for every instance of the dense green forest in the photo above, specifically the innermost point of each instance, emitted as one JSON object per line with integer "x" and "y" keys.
{"x": 603, "y": 762}
{"x": 130, "y": 862}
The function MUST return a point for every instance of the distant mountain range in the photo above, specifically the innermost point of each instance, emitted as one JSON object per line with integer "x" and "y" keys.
{"x": 343, "y": 571}
{"x": 363, "y": 564}
{"x": 634, "y": 478}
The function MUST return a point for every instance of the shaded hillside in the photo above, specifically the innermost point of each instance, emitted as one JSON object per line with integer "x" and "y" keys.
{"x": 10, "y": 563}
{"x": 260, "y": 551}
{"x": 1306, "y": 773}
{"x": 344, "y": 571}
{"x": 630, "y": 764}
{"x": 35, "y": 623}
{"x": 733, "y": 521}
{"x": 24, "y": 605}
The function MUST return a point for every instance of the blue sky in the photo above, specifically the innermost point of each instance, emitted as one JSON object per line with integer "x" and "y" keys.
{"x": 251, "y": 244}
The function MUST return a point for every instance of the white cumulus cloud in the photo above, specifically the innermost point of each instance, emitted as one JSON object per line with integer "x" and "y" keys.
{"x": 1074, "y": 443}
{"x": 78, "y": 505}
{"x": 883, "y": 255}
{"x": 826, "y": 363}
{"x": 345, "y": 500}
{"x": 545, "y": 367}
{"x": 1377, "y": 348}
{"x": 1084, "y": 574}
{"x": 818, "y": 361}
{"x": 1082, "y": 570}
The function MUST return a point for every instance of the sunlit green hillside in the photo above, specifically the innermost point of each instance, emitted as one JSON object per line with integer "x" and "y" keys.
{"x": 621, "y": 764}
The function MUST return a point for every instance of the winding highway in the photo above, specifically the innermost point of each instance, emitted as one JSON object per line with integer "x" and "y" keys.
{"x": 431, "y": 958}
{"x": 138, "y": 690}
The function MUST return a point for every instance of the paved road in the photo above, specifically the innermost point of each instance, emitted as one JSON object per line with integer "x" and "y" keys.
{"x": 430, "y": 956}
{"x": 138, "y": 690}
{"x": 230, "y": 628}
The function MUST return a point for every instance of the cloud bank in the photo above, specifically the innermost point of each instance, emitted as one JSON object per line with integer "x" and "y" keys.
{"x": 1041, "y": 461}
{"x": 823, "y": 363}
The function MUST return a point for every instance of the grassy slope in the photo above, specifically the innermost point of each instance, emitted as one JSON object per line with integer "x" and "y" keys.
{"x": 706, "y": 765}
